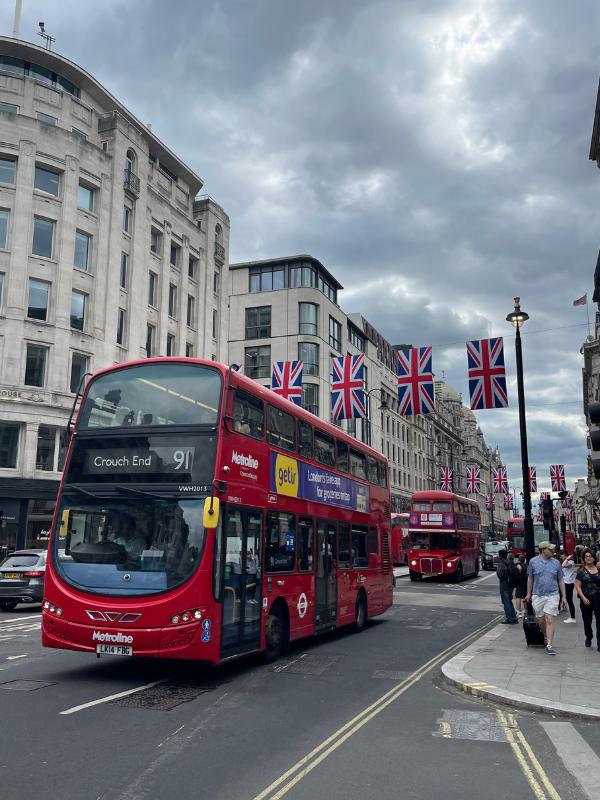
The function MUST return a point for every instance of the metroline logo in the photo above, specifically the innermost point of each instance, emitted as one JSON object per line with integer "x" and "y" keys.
{"x": 244, "y": 461}
{"x": 117, "y": 638}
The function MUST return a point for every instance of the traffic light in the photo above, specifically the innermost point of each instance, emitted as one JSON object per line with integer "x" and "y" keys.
{"x": 594, "y": 415}
{"x": 547, "y": 511}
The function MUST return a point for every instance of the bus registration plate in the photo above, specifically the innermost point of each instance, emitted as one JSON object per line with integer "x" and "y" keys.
{"x": 114, "y": 650}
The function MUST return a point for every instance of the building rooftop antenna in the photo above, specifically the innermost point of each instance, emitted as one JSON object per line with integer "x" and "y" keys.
{"x": 45, "y": 36}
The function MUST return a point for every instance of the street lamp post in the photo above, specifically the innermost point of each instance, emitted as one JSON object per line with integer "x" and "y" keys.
{"x": 517, "y": 318}
{"x": 493, "y": 496}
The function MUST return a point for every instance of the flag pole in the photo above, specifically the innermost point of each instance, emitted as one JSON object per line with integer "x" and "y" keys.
{"x": 587, "y": 311}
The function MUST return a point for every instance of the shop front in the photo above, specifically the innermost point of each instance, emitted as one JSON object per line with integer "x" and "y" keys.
{"x": 26, "y": 509}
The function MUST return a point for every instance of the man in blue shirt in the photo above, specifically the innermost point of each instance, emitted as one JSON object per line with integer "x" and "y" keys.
{"x": 546, "y": 591}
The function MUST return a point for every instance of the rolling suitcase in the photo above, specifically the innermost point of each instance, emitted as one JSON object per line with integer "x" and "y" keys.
{"x": 533, "y": 633}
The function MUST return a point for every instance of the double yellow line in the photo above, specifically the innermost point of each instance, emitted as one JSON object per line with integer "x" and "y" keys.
{"x": 526, "y": 758}
{"x": 306, "y": 764}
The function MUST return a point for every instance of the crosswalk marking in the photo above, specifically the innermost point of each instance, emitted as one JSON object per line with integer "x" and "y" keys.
{"x": 576, "y": 754}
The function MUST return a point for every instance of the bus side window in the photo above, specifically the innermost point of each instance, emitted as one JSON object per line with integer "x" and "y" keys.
{"x": 359, "y": 546}
{"x": 305, "y": 544}
{"x": 372, "y": 471}
{"x": 358, "y": 466}
{"x": 372, "y": 545}
{"x": 382, "y": 477}
{"x": 343, "y": 546}
{"x": 305, "y": 439}
{"x": 281, "y": 542}
{"x": 281, "y": 429}
{"x": 248, "y": 417}
{"x": 324, "y": 449}
{"x": 341, "y": 456}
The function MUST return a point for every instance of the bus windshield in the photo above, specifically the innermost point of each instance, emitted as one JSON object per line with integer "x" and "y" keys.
{"x": 169, "y": 393}
{"x": 128, "y": 546}
{"x": 420, "y": 541}
{"x": 440, "y": 540}
{"x": 517, "y": 541}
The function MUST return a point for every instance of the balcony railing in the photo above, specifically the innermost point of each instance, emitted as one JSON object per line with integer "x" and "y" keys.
{"x": 219, "y": 252}
{"x": 131, "y": 182}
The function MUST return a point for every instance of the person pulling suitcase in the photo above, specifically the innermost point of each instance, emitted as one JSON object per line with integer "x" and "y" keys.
{"x": 546, "y": 591}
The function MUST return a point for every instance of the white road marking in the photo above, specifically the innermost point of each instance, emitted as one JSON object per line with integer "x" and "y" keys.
{"x": 576, "y": 754}
{"x": 19, "y": 619}
{"x": 110, "y": 697}
{"x": 12, "y": 658}
{"x": 484, "y": 578}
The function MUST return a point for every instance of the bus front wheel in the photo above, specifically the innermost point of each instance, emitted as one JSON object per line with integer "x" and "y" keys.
{"x": 458, "y": 575}
{"x": 414, "y": 576}
{"x": 276, "y": 635}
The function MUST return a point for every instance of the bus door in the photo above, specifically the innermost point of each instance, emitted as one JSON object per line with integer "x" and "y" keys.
{"x": 326, "y": 580}
{"x": 242, "y": 532}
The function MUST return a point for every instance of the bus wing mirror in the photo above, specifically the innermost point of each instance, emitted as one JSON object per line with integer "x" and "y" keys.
{"x": 211, "y": 512}
{"x": 64, "y": 524}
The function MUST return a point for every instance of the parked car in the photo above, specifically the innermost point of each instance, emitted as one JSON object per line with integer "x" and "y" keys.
{"x": 22, "y": 578}
{"x": 489, "y": 554}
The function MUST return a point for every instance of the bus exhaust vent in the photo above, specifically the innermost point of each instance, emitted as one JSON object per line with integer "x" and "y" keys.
{"x": 386, "y": 511}
{"x": 385, "y": 553}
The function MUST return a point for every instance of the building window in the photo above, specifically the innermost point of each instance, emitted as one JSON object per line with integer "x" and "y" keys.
{"x": 9, "y": 108}
{"x": 217, "y": 281}
{"x": 309, "y": 353}
{"x": 79, "y": 134}
{"x": 155, "y": 242}
{"x": 303, "y": 275}
{"x": 9, "y": 445}
{"x": 47, "y": 180}
{"x": 152, "y": 284}
{"x": 172, "y": 300}
{"x": 190, "y": 311}
{"x": 120, "y": 326}
{"x": 38, "y": 301}
{"x": 82, "y": 250}
{"x": 215, "y": 324}
{"x": 335, "y": 334}
{"x": 174, "y": 257}
{"x": 79, "y": 366}
{"x": 308, "y": 318}
{"x": 4, "y": 220}
{"x": 8, "y": 167}
{"x": 1, "y": 288}
{"x": 46, "y": 118}
{"x": 44, "y": 458}
{"x": 170, "y": 344}
{"x": 192, "y": 268}
{"x": 265, "y": 279}
{"x": 126, "y": 219}
{"x": 258, "y": 322}
{"x": 355, "y": 338}
{"x": 35, "y": 365}
{"x": 189, "y": 350}
{"x": 150, "y": 333}
{"x": 43, "y": 237}
{"x": 310, "y": 398}
{"x": 123, "y": 271}
{"x": 257, "y": 362}
{"x": 77, "y": 310}
{"x": 85, "y": 198}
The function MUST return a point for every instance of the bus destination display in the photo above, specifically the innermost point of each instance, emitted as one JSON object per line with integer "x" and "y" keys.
{"x": 158, "y": 460}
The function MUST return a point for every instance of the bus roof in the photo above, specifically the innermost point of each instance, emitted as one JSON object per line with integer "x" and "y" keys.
{"x": 241, "y": 381}
{"x": 438, "y": 494}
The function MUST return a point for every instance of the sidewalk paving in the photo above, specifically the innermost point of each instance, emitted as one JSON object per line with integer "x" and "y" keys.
{"x": 501, "y": 667}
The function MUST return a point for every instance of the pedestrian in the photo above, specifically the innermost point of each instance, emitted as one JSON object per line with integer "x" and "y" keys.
{"x": 587, "y": 584}
{"x": 505, "y": 576}
{"x": 546, "y": 591}
{"x": 521, "y": 585}
{"x": 568, "y": 568}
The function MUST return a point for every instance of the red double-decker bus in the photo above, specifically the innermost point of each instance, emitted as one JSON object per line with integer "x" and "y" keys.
{"x": 201, "y": 516}
{"x": 400, "y": 539}
{"x": 445, "y": 533}
{"x": 515, "y": 535}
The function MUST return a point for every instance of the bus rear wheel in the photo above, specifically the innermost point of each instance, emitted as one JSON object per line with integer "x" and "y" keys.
{"x": 276, "y": 635}
{"x": 414, "y": 576}
{"x": 361, "y": 613}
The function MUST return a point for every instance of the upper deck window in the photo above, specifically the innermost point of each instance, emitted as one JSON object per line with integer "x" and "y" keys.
{"x": 153, "y": 394}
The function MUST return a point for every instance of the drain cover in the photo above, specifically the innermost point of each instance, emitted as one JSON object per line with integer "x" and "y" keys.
{"x": 25, "y": 686}
{"x": 307, "y": 665}
{"x": 163, "y": 697}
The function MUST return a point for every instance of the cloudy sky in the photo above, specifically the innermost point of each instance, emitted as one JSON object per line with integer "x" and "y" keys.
{"x": 432, "y": 154}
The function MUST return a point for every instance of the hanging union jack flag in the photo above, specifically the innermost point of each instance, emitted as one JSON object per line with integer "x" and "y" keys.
{"x": 286, "y": 380}
{"x": 445, "y": 479}
{"x": 415, "y": 381}
{"x": 487, "y": 376}
{"x": 566, "y": 502}
{"x": 347, "y": 387}
{"x": 508, "y": 501}
{"x": 532, "y": 479}
{"x": 557, "y": 477}
{"x": 500, "y": 480}
{"x": 473, "y": 480}
{"x": 568, "y": 514}
{"x": 489, "y": 501}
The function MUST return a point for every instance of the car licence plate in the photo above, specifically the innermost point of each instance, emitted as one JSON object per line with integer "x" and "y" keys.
{"x": 10, "y": 575}
{"x": 114, "y": 650}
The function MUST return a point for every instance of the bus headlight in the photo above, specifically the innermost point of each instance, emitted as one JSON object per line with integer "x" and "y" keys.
{"x": 448, "y": 563}
{"x": 413, "y": 563}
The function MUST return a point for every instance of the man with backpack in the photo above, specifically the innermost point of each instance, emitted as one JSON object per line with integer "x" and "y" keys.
{"x": 507, "y": 576}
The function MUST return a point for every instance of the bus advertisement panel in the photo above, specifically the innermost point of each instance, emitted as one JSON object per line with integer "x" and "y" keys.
{"x": 201, "y": 516}
{"x": 445, "y": 534}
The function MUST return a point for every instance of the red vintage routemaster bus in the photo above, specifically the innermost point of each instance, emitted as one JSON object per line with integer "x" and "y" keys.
{"x": 400, "y": 539}
{"x": 515, "y": 535}
{"x": 201, "y": 516}
{"x": 445, "y": 532}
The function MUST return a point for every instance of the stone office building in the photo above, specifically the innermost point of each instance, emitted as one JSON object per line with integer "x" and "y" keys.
{"x": 107, "y": 254}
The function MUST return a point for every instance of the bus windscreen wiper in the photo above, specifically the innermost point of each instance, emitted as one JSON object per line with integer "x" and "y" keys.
{"x": 78, "y": 490}
{"x": 139, "y": 493}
